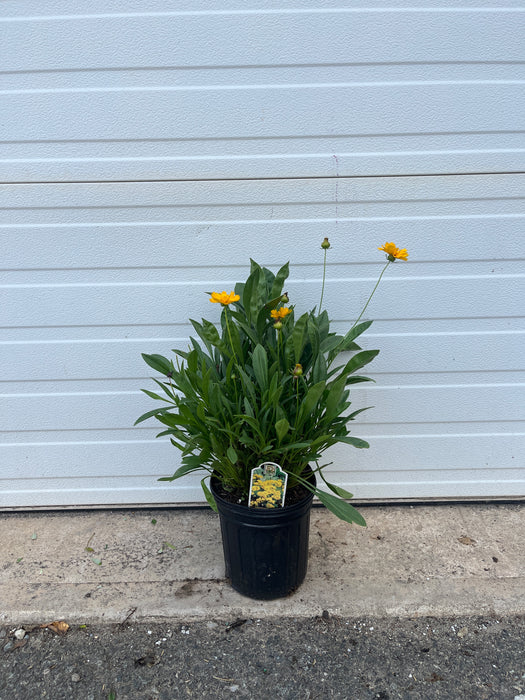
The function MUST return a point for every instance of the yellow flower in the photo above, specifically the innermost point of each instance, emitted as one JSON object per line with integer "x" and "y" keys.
{"x": 393, "y": 252}
{"x": 224, "y": 298}
{"x": 280, "y": 313}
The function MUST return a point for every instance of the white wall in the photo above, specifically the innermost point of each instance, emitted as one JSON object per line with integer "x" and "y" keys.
{"x": 146, "y": 155}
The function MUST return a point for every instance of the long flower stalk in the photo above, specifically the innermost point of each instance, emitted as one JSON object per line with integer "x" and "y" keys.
{"x": 324, "y": 245}
{"x": 370, "y": 297}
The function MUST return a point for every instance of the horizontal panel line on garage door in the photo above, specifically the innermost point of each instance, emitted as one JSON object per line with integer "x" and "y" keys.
{"x": 185, "y": 339}
{"x": 200, "y": 282}
{"x": 93, "y": 210}
{"x": 371, "y": 388}
{"x": 385, "y": 379}
{"x": 519, "y": 170}
{"x": 96, "y": 435}
{"x": 374, "y": 437}
{"x": 340, "y": 201}
{"x": 361, "y": 427}
{"x": 229, "y": 222}
{"x": 270, "y": 156}
{"x": 377, "y": 319}
{"x": 287, "y": 137}
{"x": 148, "y": 479}
{"x": 296, "y": 67}
{"x": 265, "y": 11}
{"x": 261, "y": 86}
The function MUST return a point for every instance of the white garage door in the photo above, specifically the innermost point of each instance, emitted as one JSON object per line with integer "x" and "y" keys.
{"x": 146, "y": 155}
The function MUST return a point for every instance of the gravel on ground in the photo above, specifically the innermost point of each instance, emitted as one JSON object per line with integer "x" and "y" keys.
{"x": 296, "y": 659}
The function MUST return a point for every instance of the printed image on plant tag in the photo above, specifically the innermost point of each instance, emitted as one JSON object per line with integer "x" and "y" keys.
{"x": 268, "y": 486}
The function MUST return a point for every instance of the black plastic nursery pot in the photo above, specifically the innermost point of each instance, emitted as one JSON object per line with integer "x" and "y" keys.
{"x": 265, "y": 550}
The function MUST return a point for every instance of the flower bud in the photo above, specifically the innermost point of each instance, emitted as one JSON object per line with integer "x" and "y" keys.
{"x": 297, "y": 371}
{"x": 325, "y": 244}
{"x": 278, "y": 325}
{"x": 285, "y": 299}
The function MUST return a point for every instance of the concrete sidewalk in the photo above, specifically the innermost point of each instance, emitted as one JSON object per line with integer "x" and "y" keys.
{"x": 152, "y": 565}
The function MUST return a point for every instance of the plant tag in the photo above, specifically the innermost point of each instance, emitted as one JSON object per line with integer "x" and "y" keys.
{"x": 268, "y": 486}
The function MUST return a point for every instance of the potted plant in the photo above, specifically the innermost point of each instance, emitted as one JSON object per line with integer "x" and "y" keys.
{"x": 264, "y": 386}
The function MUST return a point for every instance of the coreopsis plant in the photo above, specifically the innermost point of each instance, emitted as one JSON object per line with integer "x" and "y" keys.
{"x": 261, "y": 384}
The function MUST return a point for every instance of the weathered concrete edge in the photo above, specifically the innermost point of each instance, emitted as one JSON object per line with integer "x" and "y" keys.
{"x": 198, "y": 600}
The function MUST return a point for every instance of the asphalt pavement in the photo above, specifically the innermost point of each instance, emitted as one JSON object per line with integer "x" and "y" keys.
{"x": 479, "y": 658}
{"x": 426, "y": 602}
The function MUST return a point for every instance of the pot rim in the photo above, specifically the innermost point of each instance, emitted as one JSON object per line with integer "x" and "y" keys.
{"x": 271, "y": 513}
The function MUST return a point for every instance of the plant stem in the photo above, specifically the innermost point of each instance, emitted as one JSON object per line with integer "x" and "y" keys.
{"x": 279, "y": 354}
{"x": 370, "y": 297}
{"x": 297, "y": 401}
{"x": 229, "y": 334}
{"x": 233, "y": 352}
{"x": 324, "y": 278}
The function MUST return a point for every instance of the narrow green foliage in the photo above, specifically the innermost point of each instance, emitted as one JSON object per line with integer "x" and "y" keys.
{"x": 208, "y": 495}
{"x": 158, "y": 363}
{"x": 341, "y": 508}
{"x": 281, "y": 428}
{"x": 253, "y": 387}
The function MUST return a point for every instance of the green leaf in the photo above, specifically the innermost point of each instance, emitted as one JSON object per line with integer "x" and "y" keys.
{"x": 158, "y": 363}
{"x": 248, "y": 408}
{"x": 294, "y": 446}
{"x": 356, "y": 378}
{"x": 333, "y": 400}
{"x": 248, "y": 385}
{"x": 298, "y": 336}
{"x": 281, "y": 428}
{"x": 313, "y": 335}
{"x": 310, "y": 400}
{"x": 360, "y": 360}
{"x": 252, "y": 292}
{"x": 354, "y": 333}
{"x": 319, "y": 370}
{"x": 280, "y": 279}
{"x": 210, "y": 333}
{"x": 153, "y": 396}
{"x": 209, "y": 496}
{"x": 342, "y": 493}
{"x": 232, "y": 455}
{"x": 190, "y": 465}
{"x": 96, "y": 561}
{"x": 356, "y": 413}
{"x": 172, "y": 420}
{"x": 155, "y": 412}
{"x": 331, "y": 342}
{"x": 260, "y": 366}
{"x": 355, "y": 442}
{"x": 166, "y": 389}
{"x": 342, "y": 509}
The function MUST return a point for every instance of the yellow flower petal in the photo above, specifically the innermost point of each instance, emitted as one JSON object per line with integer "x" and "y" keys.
{"x": 394, "y": 252}
{"x": 280, "y": 313}
{"x": 224, "y": 298}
